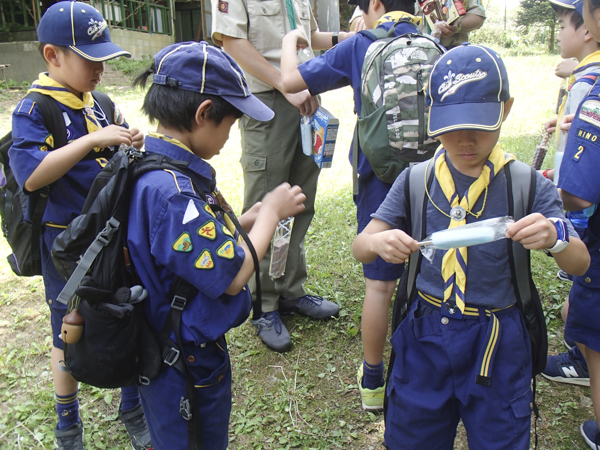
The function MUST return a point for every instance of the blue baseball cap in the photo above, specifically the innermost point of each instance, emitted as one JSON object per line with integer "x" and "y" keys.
{"x": 467, "y": 88}
{"x": 206, "y": 69}
{"x": 81, "y": 28}
{"x": 576, "y": 5}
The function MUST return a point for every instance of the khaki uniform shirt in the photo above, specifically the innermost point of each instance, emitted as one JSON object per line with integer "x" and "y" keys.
{"x": 471, "y": 7}
{"x": 263, "y": 23}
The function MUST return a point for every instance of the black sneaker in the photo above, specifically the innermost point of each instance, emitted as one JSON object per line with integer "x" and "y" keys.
{"x": 70, "y": 438}
{"x": 135, "y": 423}
{"x": 591, "y": 434}
{"x": 568, "y": 367}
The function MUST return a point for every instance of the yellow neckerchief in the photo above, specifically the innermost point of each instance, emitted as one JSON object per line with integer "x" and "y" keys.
{"x": 47, "y": 86}
{"x": 216, "y": 193}
{"x": 397, "y": 16}
{"x": 593, "y": 58}
{"x": 454, "y": 262}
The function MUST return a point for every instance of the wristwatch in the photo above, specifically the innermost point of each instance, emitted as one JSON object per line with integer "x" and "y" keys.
{"x": 334, "y": 38}
{"x": 562, "y": 235}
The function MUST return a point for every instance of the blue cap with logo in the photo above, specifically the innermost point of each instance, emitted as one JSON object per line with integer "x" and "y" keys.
{"x": 81, "y": 28}
{"x": 467, "y": 89}
{"x": 205, "y": 69}
{"x": 576, "y": 5}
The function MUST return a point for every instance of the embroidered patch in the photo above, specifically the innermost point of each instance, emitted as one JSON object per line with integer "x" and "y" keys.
{"x": 208, "y": 230}
{"x": 49, "y": 140}
{"x": 204, "y": 261}
{"x": 590, "y": 112}
{"x": 119, "y": 118}
{"x": 209, "y": 210}
{"x": 226, "y": 231}
{"x": 223, "y": 6}
{"x": 453, "y": 81}
{"x": 43, "y": 148}
{"x": 191, "y": 212}
{"x": 591, "y": 137}
{"x": 183, "y": 243}
{"x": 227, "y": 250}
{"x": 96, "y": 28}
{"x": 580, "y": 150}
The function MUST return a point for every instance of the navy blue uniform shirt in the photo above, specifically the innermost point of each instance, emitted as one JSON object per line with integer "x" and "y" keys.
{"x": 31, "y": 144}
{"x": 488, "y": 272}
{"x": 174, "y": 233}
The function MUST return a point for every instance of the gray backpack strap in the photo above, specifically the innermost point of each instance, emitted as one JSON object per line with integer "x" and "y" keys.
{"x": 521, "y": 183}
{"x": 416, "y": 209}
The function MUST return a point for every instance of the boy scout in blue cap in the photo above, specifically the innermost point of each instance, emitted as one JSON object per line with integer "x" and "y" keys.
{"x": 75, "y": 42}
{"x": 579, "y": 187}
{"x": 198, "y": 93}
{"x": 434, "y": 382}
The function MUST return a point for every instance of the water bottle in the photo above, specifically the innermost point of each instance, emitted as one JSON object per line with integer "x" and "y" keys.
{"x": 579, "y": 219}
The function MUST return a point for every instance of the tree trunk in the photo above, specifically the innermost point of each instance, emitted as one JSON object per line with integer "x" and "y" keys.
{"x": 552, "y": 29}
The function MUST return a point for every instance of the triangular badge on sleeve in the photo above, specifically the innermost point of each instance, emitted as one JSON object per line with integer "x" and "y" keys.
{"x": 226, "y": 230}
{"x": 208, "y": 230}
{"x": 209, "y": 210}
{"x": 204, "y": 261}
{"x": 183, "y": 243}
{"x": 191, "y": 212}
{"x": 49, "y": 140}
{"x": 227, "y": 250}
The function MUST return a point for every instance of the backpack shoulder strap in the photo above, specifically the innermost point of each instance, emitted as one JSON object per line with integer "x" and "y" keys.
{"x": 521, "y": 185}
{"x": 107, "y": 105}
{"x": 53, "y": 118}
{"x": 375, "y": 34}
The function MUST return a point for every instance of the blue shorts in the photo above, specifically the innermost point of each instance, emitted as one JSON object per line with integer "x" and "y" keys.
{"x": 211, "y": 372}
{"x": 371, "y": 193}
{"x": 584, "y": 308}
{"x": 53, "y": 284}
{"x": 432, "y": 385}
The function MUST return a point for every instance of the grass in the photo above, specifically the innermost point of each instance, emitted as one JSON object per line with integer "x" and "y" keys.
{"x": 307, "y": 398}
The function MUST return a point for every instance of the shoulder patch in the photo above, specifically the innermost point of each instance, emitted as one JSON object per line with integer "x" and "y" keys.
{"x": 208, "y": 230}
{"x": 226, "y": 230}
{"x": 223, "y": 6}
{"x": 191, "y": 212}
{"x": 209, "y": 210}
{"x": 590, "y": 112}
{"x": 183, "y": 243}
{"x": 204, "y": 261}
{"x": 119, "y": 119}
{"x": 43, "y": 148}
{"x": 226, "y": 250}
{"x": 49, "y": 140}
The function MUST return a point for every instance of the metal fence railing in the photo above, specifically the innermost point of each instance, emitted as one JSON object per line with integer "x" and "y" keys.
{"x": 151, "y": 16}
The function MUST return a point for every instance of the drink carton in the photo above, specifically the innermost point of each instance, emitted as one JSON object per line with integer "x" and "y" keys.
{"x": 324, "y": 131}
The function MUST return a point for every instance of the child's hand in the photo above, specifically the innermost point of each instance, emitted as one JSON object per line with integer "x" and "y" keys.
{"x": 394, "y": 246}
{"x": 137, "y": 138}
{"x": 111, "y": 135}
{"x": 565, "y": 123}
{"x": 550, "y": 126}
{"x": 285, "y": 201}
{"x": 534, "y": 231}
{"x": 306, "y": 103}
{"x": 565, "y": 68}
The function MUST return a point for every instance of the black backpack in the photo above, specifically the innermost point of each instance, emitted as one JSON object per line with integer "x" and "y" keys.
{"x": 117, "y": 347}
{"x": 521, "y": 186}
{"x": 24, "y": 236}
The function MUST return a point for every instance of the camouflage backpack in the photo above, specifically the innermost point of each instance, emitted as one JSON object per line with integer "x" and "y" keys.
{"x": 392, "y": 126}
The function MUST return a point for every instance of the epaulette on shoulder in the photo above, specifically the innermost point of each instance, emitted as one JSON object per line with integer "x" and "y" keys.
{"x": 25, "y": 107}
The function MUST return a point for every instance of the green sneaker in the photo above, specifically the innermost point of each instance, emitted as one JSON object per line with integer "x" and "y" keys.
{"x": 372, "y": 399}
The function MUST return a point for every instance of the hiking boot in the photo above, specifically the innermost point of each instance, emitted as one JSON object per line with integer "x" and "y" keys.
{"x": 70, "y": 438}
{"x": 135, "y": 424}
{"x": 591, "y": 433}
{"x": 568, "y": 367}
{"x": 273, "y": 332}
{"x": 372, "y": 399}
{"x": 564, "y": 276}
{"x": 309, "y": 305}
